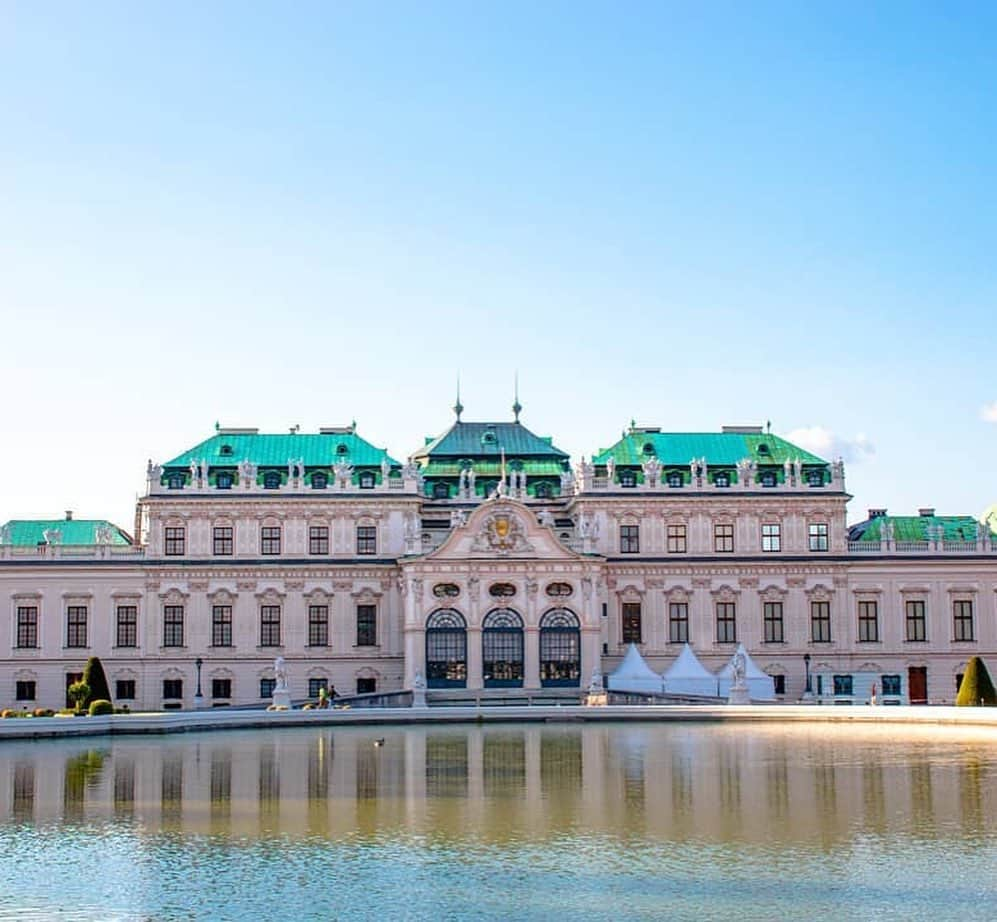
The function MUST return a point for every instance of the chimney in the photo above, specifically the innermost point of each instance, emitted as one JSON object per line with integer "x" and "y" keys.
{"x": 69, "y": 515}
{"x": 926, "y": 512}
{"x": 877, "y": 513}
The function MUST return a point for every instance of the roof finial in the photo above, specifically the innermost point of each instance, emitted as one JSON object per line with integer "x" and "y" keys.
{"x": 458, "y": 407}
{"x": 768, "y": 426}
{"x": 516, "y": 406}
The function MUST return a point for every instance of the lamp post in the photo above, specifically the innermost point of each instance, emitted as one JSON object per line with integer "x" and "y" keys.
{"x": 808, "y": 693}
{"x": 198, "y": 697}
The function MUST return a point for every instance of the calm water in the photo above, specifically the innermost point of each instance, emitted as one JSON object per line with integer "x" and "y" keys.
{"x": 583, "y": 821}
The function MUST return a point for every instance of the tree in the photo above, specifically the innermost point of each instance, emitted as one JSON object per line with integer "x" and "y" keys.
{"x": 93, "y": 676}
{"x": 977, "y": 688}
{"x": 78, "y": 692}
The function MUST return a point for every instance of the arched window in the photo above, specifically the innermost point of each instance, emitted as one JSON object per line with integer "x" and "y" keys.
{"x": 628, "y": 479}
{"x": 441, "y": 490}
{"x": 502, "y": 649}
{"x": 674, "y": 479}
{"x": 271, "y": 480}
{"x": 446, "y": 649}
{"x": 366, "y": 480}
{"x": 560, "y": 648}
{"x": 320, "y": 480}
{"x": 223, "y": 480}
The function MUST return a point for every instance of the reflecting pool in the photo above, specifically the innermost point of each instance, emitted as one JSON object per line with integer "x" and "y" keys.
{"x": 623, "y": 821}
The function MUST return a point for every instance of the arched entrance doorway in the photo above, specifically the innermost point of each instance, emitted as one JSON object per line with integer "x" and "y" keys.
{"x": 446, "y": 649}
{"x": 560, "y": 649}
{"x": 502, "y": 649}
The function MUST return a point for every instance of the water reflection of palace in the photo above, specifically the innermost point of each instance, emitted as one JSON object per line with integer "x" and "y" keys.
{"x": 678, "y": 783}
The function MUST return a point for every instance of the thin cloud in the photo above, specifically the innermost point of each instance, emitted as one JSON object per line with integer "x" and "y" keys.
{"x": 829, "y": 445}
{"x": 988, "y": 413}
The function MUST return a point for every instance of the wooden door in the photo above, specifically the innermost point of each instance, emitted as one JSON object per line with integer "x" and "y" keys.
{"x": 917, "y": 684}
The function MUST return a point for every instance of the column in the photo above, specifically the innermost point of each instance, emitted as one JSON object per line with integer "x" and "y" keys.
{"x": 531, "y": 657}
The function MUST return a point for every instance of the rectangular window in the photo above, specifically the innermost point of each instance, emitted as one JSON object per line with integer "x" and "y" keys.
{"x": 366, "y": 686}
{"x": 779, "y": 681}
{"x": 318, "y": 625}
{"x": 316, "y": 685}
{"x": 221, "y": 625}
{"x": 318, "y": 539}
{"x": 175, "y": 540}
{"x": 818, "y": 536}
{"x": 726, "y": 622}
{"x": 917, "y": 626}
{"x": 27, "y": 626}
{"x": 172, "y": 625}
{"x": 676, "y": 539}
{"x": 266, "y": 687}
{"x": 126, "y": 634}
{"x": 222, "y": 541}
{"x": 366, "y": 625}
{"x": 890, "y": 684}
{"x": 723, "y": 539}
{"x": 678, "y": 622}
{"x": 771, "y": 538}
{"x": 842, "y": 685}
{"x": 173, "y": 688}
{"x": 269, "y": 625}
{"x": 772, "y": 622}
{"x": 270, "y": 540}
{"x": 124, "y": 689}
{"x": 868, "y": 622}
{"x": 24, "y": 691}
{"x": 962, "y": 620}
{"x": 629, "y": 539}
{"x": 76, "y": 626}
{"x": 631, "y": 622}
{"x": 366, "y": 539}
{"x": 820, "y": 622}
{"x": 221, "y": 688}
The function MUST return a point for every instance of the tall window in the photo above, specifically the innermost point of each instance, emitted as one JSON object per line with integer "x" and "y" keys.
{"x": 316, "y": 684}
{"x": 221, "y": 625}
{"x": 818, "y": 536}
{"x": 366, "y": 625}
{"x": 266, "y": 687}
{"x": 173, "y": 688}
{"x": 891, "y": 684}
{"x": 76, "y": 626}
{"x": 678, "y": 622}
{"x": 172, "y": 625}
{"x": 843, "y": 685}
{"x": 125, "y": 689}
{"x": 772, "y": 622}
{"x": 222, "y": 543}
{"x": 676, "y": 539}
{"x": 726, "y": 622}
{"x": 366, "y": 480}
{"x": 127, "y": 626}
{"x": 820, "y": 622}
{"x": 629, "y": 539}
{"x": 269, "y": 625}
{"x": 962, "y": 620}
{"x": 868, "y": 622}
{"x": 366, "y": 539}
{"x": 175, "y": 540}
{"x": 318, "y": 539}
{"x": 318, "y": 625}
{"x": 917, "y": 626}
{"x": 270, "y": 539}
{"x": 221, "y": 688}
{"x": 723, "y": 539}
{"x": 27, "y": 626}
{"x": 771, "y": 538}
{"x": 631, "y": 622}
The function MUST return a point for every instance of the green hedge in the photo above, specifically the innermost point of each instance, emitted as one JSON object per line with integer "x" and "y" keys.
{"x": 977, "y": 688}
{"x": 101, "y": 706}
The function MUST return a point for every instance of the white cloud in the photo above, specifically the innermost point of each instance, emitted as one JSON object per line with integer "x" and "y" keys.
{"x": 988, "y": 412}
{"x": 830, "y": 446}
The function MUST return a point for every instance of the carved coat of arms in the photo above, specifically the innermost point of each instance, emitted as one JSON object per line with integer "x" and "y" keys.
{"x": 502, "y": 533}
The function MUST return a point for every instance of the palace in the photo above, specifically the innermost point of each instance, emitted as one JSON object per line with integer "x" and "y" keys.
{"x": 489, "y": 566}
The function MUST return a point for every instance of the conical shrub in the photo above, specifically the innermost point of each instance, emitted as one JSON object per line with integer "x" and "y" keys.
{"x": 977, "y": 688}
{"x": 93, "y": 676}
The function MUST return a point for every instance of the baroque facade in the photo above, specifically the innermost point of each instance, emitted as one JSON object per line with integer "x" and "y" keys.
{"x": 488, "y": 565}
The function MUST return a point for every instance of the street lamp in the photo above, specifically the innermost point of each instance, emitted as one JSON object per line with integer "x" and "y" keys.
{"x": 198, "y": 697}
{"x": 806, "y": 664}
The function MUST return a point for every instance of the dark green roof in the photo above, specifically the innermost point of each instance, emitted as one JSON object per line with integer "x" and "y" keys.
{"x": 31, "y": 532}
{"x": 227, "y": 449}
{"x": 488, "y": 440}
{"x": 539, "y": 468}
{"x": 916, "y": 528}
{"x": 718, "y": 448}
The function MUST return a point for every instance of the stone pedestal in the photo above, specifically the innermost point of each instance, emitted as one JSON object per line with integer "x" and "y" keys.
{"x": 419, "y": 698}
{"x": 739, "y": 694}
{"x": 282, "y": 697}
{"x": 198, "y": 702}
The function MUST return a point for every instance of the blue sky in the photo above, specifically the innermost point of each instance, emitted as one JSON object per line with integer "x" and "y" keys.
{"x": 688, "y": 215}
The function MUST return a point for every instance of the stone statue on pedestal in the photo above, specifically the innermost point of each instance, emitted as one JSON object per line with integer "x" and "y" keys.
{"x": 419, "y": 690}
{"x": 281, "y": 693}
{"x": 739, "y": 693}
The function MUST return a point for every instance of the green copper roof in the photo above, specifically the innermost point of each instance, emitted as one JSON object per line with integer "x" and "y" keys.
{"x": 916, "y": 528}
{"x": 227, "y": 449}
{"x": 30, "y": 532}
{"x": 718, "y": 448}
{"x": 434, "y": 468}
{"x": 488, "y": 440}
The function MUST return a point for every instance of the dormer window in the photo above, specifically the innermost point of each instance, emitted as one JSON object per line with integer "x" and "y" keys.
{"x": 721, "y": 479}
{"x": 223, "y": 481}
{"x": 488, "y": 438}
{"x": 543, "y": 490}
{"x": 674, "y": 479}
{"x": 648, "y": 449}
{"x": 768, "y": 479}
{"x": 366, "y": 480}
{"x": 441, "y": 490}
{"x": 320, "y": 480}
{"x": 628, "y": 479}
{"x": 271, "y": 480}
{"x": 174, "y": 481}
{"x": 815, "y": 478}
{"x": 341, "y": 449}
{"x": 225, "y": 450}
{"x": 763, "y": 448}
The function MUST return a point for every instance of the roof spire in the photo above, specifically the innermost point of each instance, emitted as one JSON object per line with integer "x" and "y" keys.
{"x": 517, "y": 406}
{"x": 458, "y": 407}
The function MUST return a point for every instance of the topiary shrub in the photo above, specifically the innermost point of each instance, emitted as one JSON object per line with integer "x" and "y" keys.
{"x": 93, "y": 676}
{"x": 100, "y": 706}
{"x": 7, "y": 712}
{"x": 79, "y": 694}
{"x": 977, "y": 688}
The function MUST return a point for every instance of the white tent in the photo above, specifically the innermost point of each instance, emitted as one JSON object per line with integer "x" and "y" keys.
{"x": 634, "y": 675}
{"x": 688, "y": 676}
{"x": 760, "y": 684}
